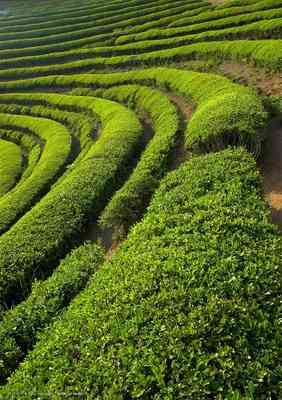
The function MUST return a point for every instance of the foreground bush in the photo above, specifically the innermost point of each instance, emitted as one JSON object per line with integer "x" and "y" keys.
{"x": 19, "y": 327}
{"x": 188, "y": 308}
{"x": 58, "y": 219}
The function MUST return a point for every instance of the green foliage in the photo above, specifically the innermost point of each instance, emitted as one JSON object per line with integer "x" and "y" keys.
{"x": 211, "y": 25}
{"x": 10, "y": 165}
{"x": 187, "y": 308}
{"x": 20, "y": 326}
{"x": 219, "y": 101}
{"x": 57, "y": 220}
{"x": 54, "y": 156}
{"x": 128, "y": 203}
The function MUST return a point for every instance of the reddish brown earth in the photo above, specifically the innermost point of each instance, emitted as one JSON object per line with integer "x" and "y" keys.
{"x": 185, "y": 109}
{"x": 266, "y": 82}
{"x": 271, "y": 169}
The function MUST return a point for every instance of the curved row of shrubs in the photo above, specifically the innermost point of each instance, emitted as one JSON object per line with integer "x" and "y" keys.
{"x": 75, "y": 113}
{"x": 218, "y": 12}
{"x": 187, "y": 308}
{"x": 30, "y": 148}
{"x": 10, "y": 165}
{"x": 19, "y": 326}
{"x": 128, "y": 203}
{"x": 83, "y": 33}
{"x": 149, "y": 51}
{"x": 222, "y": 23}
{"x": 94, "y": 25}
{"x": 59, "y": 217}
{"x": 54, "y": 156}
{"x": 227, "y": 113}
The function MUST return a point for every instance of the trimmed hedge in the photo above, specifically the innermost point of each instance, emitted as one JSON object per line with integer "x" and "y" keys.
{"x": 236, "y": 22}
{"x": 10, "y": 165}
{"x": 218, "y": 13}
{"x": 138, "y": 17}
{"x": 52, "y": 161}
{"x": 227, "y": 113}
{"x": 129, "y": 203}
{"x": 263, "y": 53}
{"x": 120, "y": 19}
{"x": 76, "y": 113}
{"x": 187, "y": 308}
{"x": 29, "y": 146}
{"x": 58, "y": 219}
{"x": 20, "y": 326}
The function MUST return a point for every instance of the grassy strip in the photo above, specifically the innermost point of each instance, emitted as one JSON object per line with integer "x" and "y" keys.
{"x": 20, "y": 326}
{"x": 52, "y": 161}
{"x": 129, "y": 203}
{"x": 60, "y": 216}
{"x": 10, "y": 165}
{"x": 187, "y": 308}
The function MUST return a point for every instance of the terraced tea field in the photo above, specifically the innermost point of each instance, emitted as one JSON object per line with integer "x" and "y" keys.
{"x": 140, "y": 199}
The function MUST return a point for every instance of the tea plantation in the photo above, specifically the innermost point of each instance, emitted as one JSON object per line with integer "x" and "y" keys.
{"x": 140, "y": 199}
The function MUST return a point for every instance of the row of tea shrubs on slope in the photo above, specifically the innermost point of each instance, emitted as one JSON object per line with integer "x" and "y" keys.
{"x": 10, "y": 165}
{"x": 53, "y": 159}
{"x": 60, "y": 216}
{"x": 187, "y": 308}
{"x": 30, "y": 148}
{"x": 20, "y": 325}
{"x": 128, "y": 204}
{"x": 262, "y": 53}
{"x": 226, "y": 113}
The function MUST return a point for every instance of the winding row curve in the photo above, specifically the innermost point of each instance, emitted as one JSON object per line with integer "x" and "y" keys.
{"x": 98, "y": 104}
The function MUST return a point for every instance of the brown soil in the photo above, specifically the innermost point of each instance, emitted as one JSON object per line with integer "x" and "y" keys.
{"x": 266, "y": 82}
{"x": 271, "y": 168}
{"x": 180, "y": 154}
{"x": 185, "y": 108}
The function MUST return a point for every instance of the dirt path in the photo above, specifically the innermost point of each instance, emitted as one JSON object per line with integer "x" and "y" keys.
{"x": 180, "y": 154}
{"x": 267, "y": 83}
{"x": 271, "y": 168}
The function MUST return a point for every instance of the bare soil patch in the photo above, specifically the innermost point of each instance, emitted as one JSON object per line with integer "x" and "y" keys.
{"x": 180, "y": 154}
{"x": 271, "y": 169}
{"x": 268, "y": 83}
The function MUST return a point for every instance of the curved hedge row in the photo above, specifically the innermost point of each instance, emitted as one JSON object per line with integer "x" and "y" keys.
{"x": 19, "y": 327}
{"x": 188, "y": 307}
{"x": 138, "y": 17}
{"x": 76, "y": 113}
{"x": 88, "y": 26}
{"x": 217, "y": 13}
{"x": 30, "y": 148}
{"x": 53, "y": 159}
{"x": 10, "y": 165}
{"x": 227, "y": 113}
{"x": 224, "y": 23}
{"x": 128, "y": 203}
{"x": 60, "y": 216}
